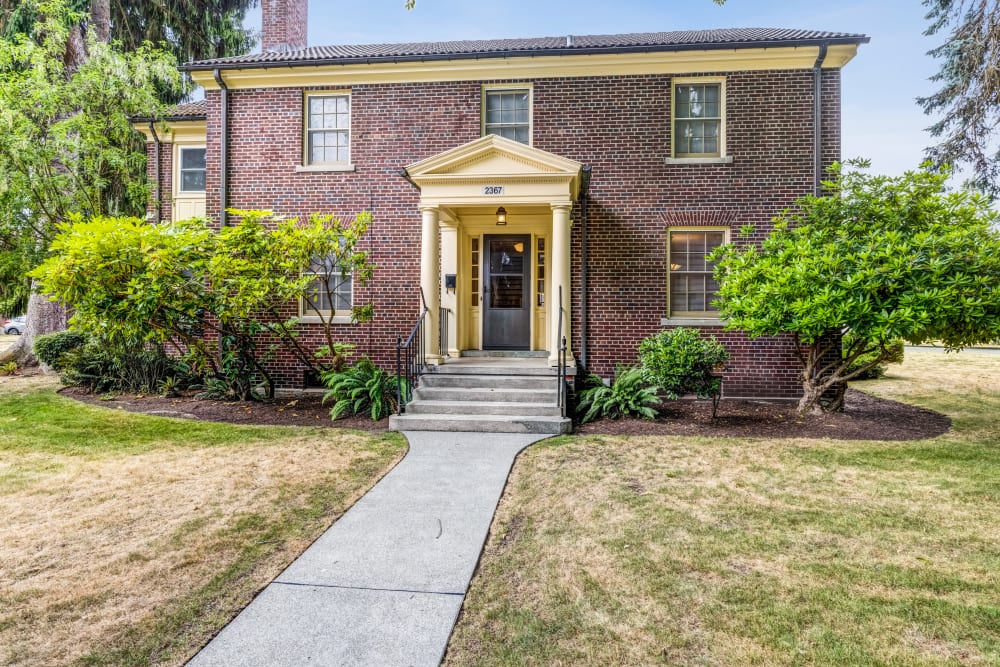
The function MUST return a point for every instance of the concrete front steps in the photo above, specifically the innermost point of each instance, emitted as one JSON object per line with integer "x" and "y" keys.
{"x": 486, "y": 395}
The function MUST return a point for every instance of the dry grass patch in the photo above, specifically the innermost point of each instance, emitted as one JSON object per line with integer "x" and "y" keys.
{"x": 130, "y": 540}
{"x": 722, "y": 551}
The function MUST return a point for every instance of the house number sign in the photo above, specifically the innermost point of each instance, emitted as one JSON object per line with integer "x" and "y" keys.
{"x": 492, "y": 189}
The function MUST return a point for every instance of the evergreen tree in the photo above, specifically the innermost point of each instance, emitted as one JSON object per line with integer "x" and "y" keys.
{"x": 968, "y": 102}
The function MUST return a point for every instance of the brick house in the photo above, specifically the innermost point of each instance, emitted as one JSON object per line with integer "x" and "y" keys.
{"x": 502, "y": 173}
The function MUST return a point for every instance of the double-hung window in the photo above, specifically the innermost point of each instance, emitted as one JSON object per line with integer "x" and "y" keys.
{"x": 692, "y": 288}
{"x": 192, "y": 169}
{"x": 507, "y": 113}
{"x": 698, "y": 118}
{"x": 328, "y": 129}
{"x": 330, "y": 294}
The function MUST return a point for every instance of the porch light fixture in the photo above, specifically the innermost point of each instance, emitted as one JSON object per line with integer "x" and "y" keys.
{"x": 501, "y": 216}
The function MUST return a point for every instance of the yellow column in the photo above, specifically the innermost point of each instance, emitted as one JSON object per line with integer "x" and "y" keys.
{"x": 560, "y": 263}
{"x": 449, "y": 302}
{"x": 430, "y": 261}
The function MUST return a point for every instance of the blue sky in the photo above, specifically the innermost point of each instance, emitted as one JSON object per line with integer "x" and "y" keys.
{"x": 881, "y": 119}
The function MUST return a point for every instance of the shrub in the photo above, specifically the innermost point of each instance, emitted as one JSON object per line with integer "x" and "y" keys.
{"x": 681, "y": 362}
{"x": 630, "y": 393}
{"x": 102, "y": 367}
{"x": 9, "y": 368}
{"x": 893, "y": 355}
{"x": 50, "y": 348}
{"x": 362, "y": 387}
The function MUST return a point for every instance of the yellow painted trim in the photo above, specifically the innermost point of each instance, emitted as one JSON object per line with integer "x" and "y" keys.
{"x": 175, "y": 131}
{"x": 680, "y": 81}
{"x": 525, "y": 67}
{"x": 306, "y": 96}
{"x": 491, "y": 87}
{"x": 692, "y": 315}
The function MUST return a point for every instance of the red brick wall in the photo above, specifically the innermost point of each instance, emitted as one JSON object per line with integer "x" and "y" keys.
{"x": 163, "y": 195}
{"x": 283, "y": 24}
{"x": 618, "y": 125}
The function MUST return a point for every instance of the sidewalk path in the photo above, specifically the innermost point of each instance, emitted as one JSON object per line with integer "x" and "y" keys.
{"x": 384, "y": 585}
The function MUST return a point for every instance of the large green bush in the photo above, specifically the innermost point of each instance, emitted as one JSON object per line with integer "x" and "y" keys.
{"x": 681, "y": 362}
{"x": 630, "y": 393}
{"x": 361, "y": 388}
{"x": 102, "y": 368}
{"x": 50, "y": 348}
{"x": 893, "y": 355}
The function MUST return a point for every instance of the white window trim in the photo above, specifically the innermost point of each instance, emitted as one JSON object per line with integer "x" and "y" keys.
{"x": 187, "y": 194}
{"x": 336, "y": 165}
{"x": 721, "y": 158}
{"x": 502, "y": 87}
{"x": 317, "y": 317}
{"x": 699, "y": 318}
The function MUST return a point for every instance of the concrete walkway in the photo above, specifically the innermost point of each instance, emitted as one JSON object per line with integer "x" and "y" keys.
{"x": 384, "y": 585}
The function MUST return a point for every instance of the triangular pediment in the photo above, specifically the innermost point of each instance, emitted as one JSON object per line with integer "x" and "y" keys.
{"x": 494, "y": 156}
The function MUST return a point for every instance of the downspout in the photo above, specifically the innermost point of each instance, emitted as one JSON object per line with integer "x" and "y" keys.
{"x": 818, "y": 120}
{"x": 156, "y": 156}
{"x": 584, "y": 254}
{"x": 223, "y": 148}
{"x": 405, "y": 174}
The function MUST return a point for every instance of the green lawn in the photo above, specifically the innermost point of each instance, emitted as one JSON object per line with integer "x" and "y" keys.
{"x": 697, "y": 551}
{"x": 131, "y": 540}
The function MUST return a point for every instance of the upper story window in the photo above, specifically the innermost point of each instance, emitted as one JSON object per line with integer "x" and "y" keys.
{"x": 699, "y": 118}
{"x": 507, "y": 112}
{"x": 192, "y": 169}
{"x": 328, "y": 129}
{"x": 692, "y": 287}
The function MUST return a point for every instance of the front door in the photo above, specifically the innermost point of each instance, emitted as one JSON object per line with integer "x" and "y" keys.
{"x": 507, "y": 293}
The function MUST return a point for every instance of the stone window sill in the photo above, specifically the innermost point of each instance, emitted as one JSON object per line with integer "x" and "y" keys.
{"x": 313, "y": 319}
{"x": 726, "y": 159}
{"x": 692, "y": 322}
{"x": 323, "y": 167}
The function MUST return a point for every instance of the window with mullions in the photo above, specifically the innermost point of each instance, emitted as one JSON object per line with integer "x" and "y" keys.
{"x": 330, "y": 292}
{"x": 508, "y": 114}
{"x": 698, "y": 120}
{"x": 328, "y": 129}
{"x": 692, "y": 287}
{"x": 192, "y": 170}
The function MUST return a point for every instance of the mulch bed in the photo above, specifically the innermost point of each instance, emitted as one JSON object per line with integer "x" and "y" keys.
{"x": 302, "y": 411}
{"x": 865, "y": 417}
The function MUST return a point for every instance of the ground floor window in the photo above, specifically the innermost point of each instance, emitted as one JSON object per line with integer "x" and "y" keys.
{"x": 691, "y": 286}
{"x": 331, "y": 291}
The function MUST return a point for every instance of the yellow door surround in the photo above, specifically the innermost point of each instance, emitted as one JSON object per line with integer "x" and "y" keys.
{"x": 462, "y": 188}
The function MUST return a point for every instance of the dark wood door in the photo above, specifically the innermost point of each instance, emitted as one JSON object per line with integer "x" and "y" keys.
{"x": 507, "y": 293}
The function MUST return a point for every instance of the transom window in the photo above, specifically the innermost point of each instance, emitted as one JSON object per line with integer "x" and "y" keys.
{"x": 192, "y": 170}
{"x": 331, "y": 291}
{"x": 692, "y": 286}
{"x": 698, "y": 119}
{"x": 328, "y": 129}
{"x": 508, "y": 114}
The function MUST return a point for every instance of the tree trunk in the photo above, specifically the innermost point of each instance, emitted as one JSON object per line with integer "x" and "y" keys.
{"x": 809, "y": 403}
{"x": 100, "y": 20}
{"x": 76, "y": 49}
{"x": 42, "y": 317}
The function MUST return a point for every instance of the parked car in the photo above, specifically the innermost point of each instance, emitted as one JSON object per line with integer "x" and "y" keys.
{"x": 15, "y": 326}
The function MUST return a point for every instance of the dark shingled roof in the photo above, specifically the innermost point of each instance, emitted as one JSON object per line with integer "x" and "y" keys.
{"x": 190, "y": 111}
{"x": 535, "y": 46}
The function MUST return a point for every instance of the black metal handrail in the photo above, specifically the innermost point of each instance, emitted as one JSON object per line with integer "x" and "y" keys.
{"x": 411, "y": 359}
{"x": 561, "y": 388}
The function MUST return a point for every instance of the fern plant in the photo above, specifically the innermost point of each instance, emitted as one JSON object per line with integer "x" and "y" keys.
{"x": 361, "y": 388}
{"x": 630, "y": 393}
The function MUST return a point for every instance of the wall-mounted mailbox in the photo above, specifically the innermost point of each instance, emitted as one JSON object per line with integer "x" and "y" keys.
{"x": 450, "y": 282}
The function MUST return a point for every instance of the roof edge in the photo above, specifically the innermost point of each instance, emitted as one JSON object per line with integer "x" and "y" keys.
{"x": 528, "y": 53}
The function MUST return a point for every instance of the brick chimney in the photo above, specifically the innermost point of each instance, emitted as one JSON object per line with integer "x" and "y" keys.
{"x": 284, "y": 23}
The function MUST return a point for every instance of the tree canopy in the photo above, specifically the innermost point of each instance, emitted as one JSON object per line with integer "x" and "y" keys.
{"x": 968, "y": 101}
{"x": 880, "y": 257}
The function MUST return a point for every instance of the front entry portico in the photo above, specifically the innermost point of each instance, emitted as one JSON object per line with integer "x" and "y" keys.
{"x": 508, "y": 279}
